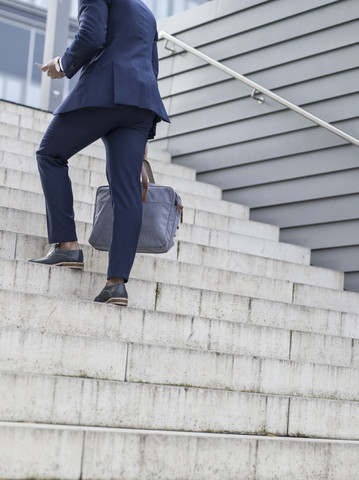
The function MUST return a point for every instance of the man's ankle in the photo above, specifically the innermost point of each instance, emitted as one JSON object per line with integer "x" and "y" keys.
{"x": 69, "y": 246}
{"x": 115, "y": 281}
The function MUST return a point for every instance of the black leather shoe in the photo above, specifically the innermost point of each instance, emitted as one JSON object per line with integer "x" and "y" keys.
{"x": 62, "y": 258}
{"x": 115, "y": 294}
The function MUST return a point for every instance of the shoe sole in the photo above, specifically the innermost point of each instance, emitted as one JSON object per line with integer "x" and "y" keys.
{"x": 74, "y": 265}
{"x": 118, "y": 301}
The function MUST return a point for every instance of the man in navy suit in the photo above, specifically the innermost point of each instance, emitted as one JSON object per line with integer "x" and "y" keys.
{"x": 116, "y": 99}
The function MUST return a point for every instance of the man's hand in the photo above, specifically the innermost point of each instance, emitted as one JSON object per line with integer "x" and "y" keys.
{"x": 50, "y": 68}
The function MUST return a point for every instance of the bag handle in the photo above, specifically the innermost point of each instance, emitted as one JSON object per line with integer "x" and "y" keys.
{"x": 146, "y": 174}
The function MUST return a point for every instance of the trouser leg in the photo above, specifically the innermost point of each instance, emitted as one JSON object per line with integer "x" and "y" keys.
{"x": 66, "y": 135}
{"x": 124, "y": 131}
{"x": 125, "y": 149}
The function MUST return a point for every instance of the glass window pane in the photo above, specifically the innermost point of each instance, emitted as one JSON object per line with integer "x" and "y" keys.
{"x": 38, "y": 56}
{"x": 74, "y": 9}
{"x": 33, "y": 95}
{"x": 13, "y": 89}
{"x": 36, "y": 3}
{"x": 165, "y": 8}
{"x": 2, "y": 86}
{"x": 15, "y": 49}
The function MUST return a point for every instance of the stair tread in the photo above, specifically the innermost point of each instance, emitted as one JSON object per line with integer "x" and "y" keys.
{"x": 13, "y": 218}
{"x": 20, "y": 246}
{"x": 79, "y": 356}
{"x": 162, "y": 328}
{"x": 28, "y": 164}
{"x": 235, "y": 285}
{"x": 84, "y": 177}
{"x": 313, "y": 320}
{"x": 181, "y": 279}
{"x": 25, "y": 189}
{"x": 29, "y": 132}
{"x": 120, "y": 404}
{"x": 206, "y": 189}
{"x": 82, "y": 428}
{"x": 93, "y": 452}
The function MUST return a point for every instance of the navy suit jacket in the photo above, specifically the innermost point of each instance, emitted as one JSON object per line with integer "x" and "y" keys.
{"x": 116, "y": 47}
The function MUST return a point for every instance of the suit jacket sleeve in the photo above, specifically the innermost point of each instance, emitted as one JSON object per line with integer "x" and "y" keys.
{"x": 91, "y": 36}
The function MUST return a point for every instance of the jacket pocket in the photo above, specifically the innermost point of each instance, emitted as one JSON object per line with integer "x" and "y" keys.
{"x": 127, "y": 85}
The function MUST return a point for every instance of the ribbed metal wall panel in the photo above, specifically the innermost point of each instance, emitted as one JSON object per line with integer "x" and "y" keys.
{"x": 290, "y": 172}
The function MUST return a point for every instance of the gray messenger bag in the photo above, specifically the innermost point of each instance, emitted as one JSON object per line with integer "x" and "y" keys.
{"x": 162, "y": 212}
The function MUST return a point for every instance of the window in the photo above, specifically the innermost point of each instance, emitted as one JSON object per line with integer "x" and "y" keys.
{"x": 165, "y": 8}
{"x": 36, "y": 3}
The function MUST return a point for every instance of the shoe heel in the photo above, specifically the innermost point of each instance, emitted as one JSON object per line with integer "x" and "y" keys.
{"x": 73, "y": 265}
{"x": 123, "y": 302}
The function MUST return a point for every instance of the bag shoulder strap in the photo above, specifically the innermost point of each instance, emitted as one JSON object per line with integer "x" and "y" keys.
{"x": 146, "y": 174}
{"x": 148, "y": 168}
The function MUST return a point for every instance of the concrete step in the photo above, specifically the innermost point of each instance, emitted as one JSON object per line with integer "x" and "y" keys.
{"x": 181, "y": 279}
{"x": 73, "y": 401}
{"x": 66, "y": 283}
{"x": 30, "y": 223}
{"x": 28, "y": 164}
{"x": 29, "y": 126}
{"x": 327, "y": 298}
{"x": 186, "y": 285}
{"x": 190, "y": 284}
{"x": 256, "y": 265}
{"x": 15, "y": 114}
{"x": 26, "y": 184}
{"x": 196, "y": 276}
{"x": 203, "y": 236}
{"x": 22, "y": 154}
{"x": 88, "y": 402}
{"x": 86, "y": 177}
{"x": 89, "y": 453}
{"x": 33, "y": 123}
{"x": 87, "y": 159}
{"x": 18, "y": 246}
{"x": 12, "y": 121}
{"x": 26, "y": 351}
{"x": 74, "y": 317}
{"x": 21, "y": 144}
{"x": 20, "y": 309}
{"x": 29, "y": 201}
{"x": 171, "y": 366}
{"x": 35, "y": 203}
{"x": 13, "y": 145}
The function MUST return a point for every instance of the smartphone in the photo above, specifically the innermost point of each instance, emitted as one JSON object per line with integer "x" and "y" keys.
{"x": 39, "y": 65}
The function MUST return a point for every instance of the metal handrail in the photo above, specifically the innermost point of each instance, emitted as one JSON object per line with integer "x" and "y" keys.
{"x": 256, "y": 87}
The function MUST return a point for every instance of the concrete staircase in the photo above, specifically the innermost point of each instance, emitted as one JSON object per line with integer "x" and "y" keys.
{"x": 235, "y": 360}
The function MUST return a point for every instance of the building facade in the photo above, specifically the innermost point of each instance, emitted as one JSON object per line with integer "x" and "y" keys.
{"x": 290, "y": 172}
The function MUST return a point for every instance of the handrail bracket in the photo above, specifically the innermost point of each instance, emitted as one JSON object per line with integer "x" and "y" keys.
{"x": 255, "y": 96}
{"x": 169, "y": 47}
